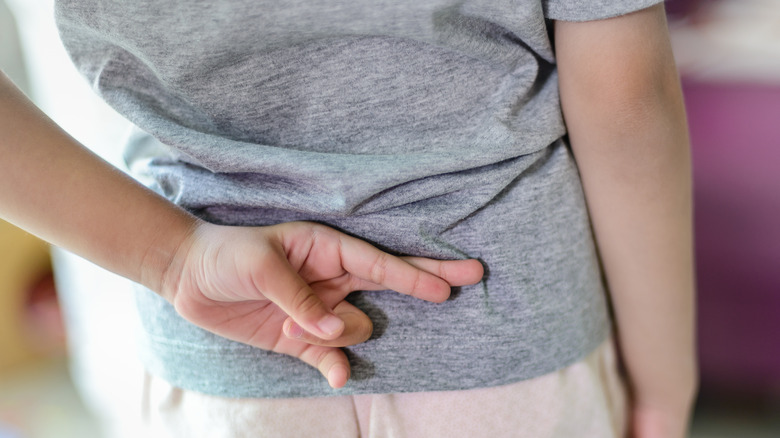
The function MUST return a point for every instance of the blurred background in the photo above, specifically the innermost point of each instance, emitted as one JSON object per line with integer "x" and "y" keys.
{"x": 728, "y": 52}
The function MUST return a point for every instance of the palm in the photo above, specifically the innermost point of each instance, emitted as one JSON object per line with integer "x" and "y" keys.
{"x": 256, "y": 321}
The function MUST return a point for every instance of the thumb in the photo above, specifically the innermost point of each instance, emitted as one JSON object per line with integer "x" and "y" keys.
{"x": 281, "y": 284}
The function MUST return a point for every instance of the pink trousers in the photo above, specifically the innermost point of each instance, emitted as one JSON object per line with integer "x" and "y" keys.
{"x": 586, "y": 399}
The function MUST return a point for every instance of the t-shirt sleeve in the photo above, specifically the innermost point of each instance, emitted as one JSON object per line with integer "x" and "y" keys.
{"x": 585, "y": 10}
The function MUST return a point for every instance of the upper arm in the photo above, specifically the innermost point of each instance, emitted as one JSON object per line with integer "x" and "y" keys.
{"x": 621, "y": 67}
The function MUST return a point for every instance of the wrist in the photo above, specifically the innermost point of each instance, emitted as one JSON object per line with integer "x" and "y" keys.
{"x": 164, "y": 258}
{"x": 670, "y": 410}
{"x": 659, "y": 423}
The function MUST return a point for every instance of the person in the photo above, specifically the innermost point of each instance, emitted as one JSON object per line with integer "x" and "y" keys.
{"x": 318, "y": 155}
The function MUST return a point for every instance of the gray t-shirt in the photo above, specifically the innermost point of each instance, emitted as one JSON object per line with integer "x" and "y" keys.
{"x": 427, "y": 127}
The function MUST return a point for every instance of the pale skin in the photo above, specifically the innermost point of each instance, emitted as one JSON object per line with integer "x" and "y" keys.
{"x": 282, "y": 287}
{"x": 623, "y": 107}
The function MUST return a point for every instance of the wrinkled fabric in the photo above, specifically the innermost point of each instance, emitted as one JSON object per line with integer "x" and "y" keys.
{"x": 429, "y": 128}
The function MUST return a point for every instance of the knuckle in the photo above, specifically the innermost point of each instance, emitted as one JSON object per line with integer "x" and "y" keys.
{"x": 304, "y": 301}
{"x": 441, "y": 272}
{"x": 322, "y": 358}
{"x": 378, "y": 271}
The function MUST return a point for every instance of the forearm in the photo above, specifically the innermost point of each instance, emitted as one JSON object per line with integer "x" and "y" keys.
{"x": 631, "y": 145}
{"x": 641, "y": 210}
{"x": 55, "y": 188}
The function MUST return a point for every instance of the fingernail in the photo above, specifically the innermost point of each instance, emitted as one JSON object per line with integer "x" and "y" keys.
{"x": 330, "y": 324}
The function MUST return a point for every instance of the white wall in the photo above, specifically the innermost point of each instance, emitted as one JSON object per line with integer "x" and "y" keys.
{"x": 98, "y": 305}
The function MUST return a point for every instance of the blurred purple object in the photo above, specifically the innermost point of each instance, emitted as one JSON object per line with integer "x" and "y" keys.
{"x": 735, "y": 136}
{"x": 680, "y": 8}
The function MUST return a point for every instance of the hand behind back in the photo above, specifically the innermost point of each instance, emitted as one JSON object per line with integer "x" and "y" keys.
{"x": 282, "y": 287}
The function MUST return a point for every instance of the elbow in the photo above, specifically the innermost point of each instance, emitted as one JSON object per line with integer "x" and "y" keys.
{"x": 632, "y": 101}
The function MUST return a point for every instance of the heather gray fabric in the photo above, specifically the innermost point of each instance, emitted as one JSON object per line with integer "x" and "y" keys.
{"x": 427, "y": 127}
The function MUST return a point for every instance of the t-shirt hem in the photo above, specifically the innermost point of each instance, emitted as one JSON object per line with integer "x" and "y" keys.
{"x": 239, "y": 381}
{"x": 598, "y": 10}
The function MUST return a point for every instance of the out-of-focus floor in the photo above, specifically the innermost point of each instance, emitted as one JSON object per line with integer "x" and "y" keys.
{"x": 719, "y": 419}
{"x": 41, "y": 402}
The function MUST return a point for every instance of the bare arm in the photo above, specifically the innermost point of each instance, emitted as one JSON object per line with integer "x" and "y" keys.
{"x": 279, "y": 288}
{"x": 58, "y": 190}
{"x": 623, "y": 107}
